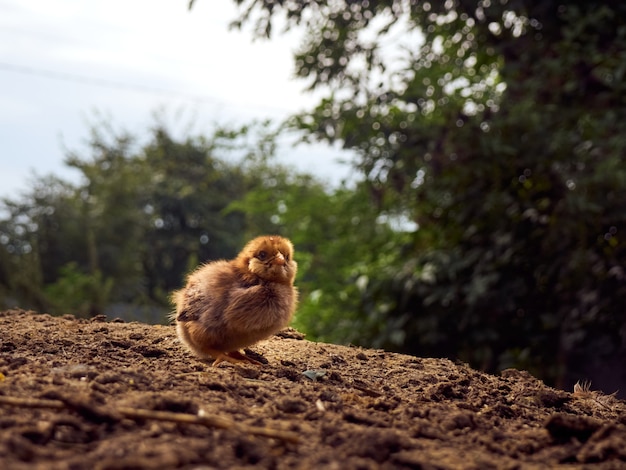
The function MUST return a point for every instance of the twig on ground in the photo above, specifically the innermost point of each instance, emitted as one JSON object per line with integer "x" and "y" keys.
{"x": 137, "y": 414}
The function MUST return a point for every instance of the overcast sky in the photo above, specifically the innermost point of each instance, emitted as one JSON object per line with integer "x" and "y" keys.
{"x": 63, "y": 60}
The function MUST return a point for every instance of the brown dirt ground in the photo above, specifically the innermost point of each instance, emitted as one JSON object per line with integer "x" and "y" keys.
{"x": 69, "y": 388}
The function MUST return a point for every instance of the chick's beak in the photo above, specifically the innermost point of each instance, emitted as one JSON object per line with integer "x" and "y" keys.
{"x": 279, "y": 259}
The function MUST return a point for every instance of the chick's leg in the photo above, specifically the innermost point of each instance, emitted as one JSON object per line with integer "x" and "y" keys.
{"x": 234, "y": 357}
{"x": 241, "y": 356}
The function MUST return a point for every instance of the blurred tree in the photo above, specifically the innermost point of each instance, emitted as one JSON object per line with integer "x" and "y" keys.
{"x": 499, "y": 128}
{"x": 339, "y": 237}
{"x": 138, "y": 220}
{"x": 112, "y": 221}
{"x": 38, "y": 235}
{"x": 79, "y": 293}
{"x": 191, "y": 184}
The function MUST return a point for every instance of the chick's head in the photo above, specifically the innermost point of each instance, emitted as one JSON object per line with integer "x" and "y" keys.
{"x": 270, "y": 258}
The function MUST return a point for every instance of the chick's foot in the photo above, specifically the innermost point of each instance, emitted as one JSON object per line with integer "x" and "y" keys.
{"x": 234, "y": 357}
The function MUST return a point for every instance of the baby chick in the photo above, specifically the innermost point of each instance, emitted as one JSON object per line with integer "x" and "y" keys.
{"x": 228, "y": 305}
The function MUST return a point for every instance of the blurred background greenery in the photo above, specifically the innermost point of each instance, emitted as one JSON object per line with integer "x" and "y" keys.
{"x": 486, "y": 218}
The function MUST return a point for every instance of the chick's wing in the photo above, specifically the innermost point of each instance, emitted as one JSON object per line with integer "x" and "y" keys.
{"x": 188, "y": 304}
{"x": 206, "y": 292}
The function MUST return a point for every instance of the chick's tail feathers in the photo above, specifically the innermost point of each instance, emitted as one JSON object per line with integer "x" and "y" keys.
{"x": 178, "y": 299}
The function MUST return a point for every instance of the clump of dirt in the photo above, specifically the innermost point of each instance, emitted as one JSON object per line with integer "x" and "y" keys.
{"x": 97, "y": 394}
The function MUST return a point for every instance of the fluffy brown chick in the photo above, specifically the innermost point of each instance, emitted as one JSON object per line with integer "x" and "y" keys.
{"x": 229, "y": 305}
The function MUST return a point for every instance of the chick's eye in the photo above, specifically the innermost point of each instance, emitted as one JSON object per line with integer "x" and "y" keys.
{"x": 261, "y": 255}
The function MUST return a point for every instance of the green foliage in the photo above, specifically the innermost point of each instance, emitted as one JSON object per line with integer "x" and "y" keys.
{"x": 488, "y": 222}
{"x": 140, "y": 218}
{"x": 82, "y": 294}
{"x": 143, "y": 216}
{"x": 29, "y": 239}
{"x": 123, "y": 238}
{"x": 339, "y": 237}
{"x": 498, "y": 128}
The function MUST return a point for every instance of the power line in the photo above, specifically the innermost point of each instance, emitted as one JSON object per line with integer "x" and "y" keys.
{"x": 113, "y": 84}
{"x": 101, "y": 82}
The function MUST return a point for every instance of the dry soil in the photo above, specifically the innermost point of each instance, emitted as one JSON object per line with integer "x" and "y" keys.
{"x": 97, "y": 394}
